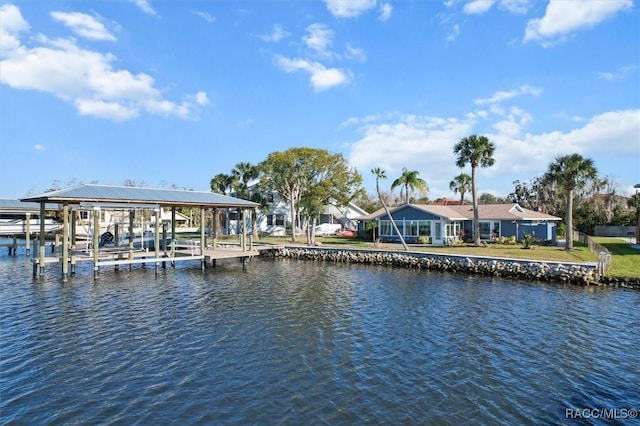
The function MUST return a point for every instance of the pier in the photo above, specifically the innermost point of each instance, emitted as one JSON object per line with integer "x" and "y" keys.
{"x": 92, "y": 199}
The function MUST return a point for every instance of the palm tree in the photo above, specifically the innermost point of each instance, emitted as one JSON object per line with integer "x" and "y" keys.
{"x": 461, "y": 184}
{"x": 477, "y": 151}
{"x": 380, "y": 174}
{"x": 244, "y": 173}
{"x": 410, "y": 181}
{"x": 221, "y": 183}
{"x": 570, "y": 172}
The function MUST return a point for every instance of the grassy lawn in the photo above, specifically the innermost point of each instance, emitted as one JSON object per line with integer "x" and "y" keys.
{"x": 580, "y": 253}
{"x": 625, "y": 261}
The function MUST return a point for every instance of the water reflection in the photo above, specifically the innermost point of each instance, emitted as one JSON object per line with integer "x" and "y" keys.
{"x": 286, "y": 342}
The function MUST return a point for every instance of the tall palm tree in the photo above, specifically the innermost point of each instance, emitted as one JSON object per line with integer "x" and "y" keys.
{"x": 410, "y": 180}
{"x": 477, "y": 151}
{"x": 570, "y": 172}
{"x": 220, "y": 183}
{"x": 244, "y": 173}
{"x": 380, "y": 174}
{"x": 461, "y": 184}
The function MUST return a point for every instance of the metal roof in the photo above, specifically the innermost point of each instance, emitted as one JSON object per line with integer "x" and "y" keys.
{"x": 19, "y": 207}
{"x": 133, "y": 195}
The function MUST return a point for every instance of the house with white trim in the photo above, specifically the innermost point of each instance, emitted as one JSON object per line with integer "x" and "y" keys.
{"x": 443, "y": 224}
{"x": 276, "y": 218}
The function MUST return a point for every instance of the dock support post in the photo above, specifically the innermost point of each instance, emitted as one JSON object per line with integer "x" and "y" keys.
{"x": 203, "y": 261}
{"x": 65, "y": 242}
{"x": 173, "y": 235}
{"x": 28, "y": 235}
{"x": 131, "y": 214}
{"x": 164, "y": 244}
{"x": 96, "y": 241}
{"x": 244, "y": 230}
{"x": 42, "y": 246}
{"x": 156, "y": 238}
{"x": 14, "y": 246}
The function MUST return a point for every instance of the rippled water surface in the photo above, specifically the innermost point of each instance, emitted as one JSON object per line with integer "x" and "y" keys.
{"x": 291, "y": 342}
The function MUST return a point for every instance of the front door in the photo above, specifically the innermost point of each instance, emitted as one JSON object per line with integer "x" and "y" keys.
{"x": 437, "y": 233}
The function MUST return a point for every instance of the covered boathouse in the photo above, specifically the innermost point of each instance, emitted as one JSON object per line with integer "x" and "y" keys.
{"x": 91, "y": 199}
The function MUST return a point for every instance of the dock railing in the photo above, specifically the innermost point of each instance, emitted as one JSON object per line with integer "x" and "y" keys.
{"x": 604, "y": 255}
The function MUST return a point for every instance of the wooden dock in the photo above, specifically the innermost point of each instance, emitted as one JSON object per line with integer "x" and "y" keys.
{"x": 121, "y": 256}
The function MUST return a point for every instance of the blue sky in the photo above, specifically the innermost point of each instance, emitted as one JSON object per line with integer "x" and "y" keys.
{"x": 173, "y": 92}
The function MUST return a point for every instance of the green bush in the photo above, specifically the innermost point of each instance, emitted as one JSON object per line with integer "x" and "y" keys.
{"x": 528, "y": 241}
{"x": 510, "y": 241}
{"x": 423, "y": 240}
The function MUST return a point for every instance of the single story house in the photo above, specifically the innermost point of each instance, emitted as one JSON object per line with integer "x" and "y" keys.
{"x": 443, "y": 224}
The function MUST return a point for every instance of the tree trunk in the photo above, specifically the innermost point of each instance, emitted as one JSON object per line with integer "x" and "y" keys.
{"x": 569, "y": 221}
{"x": 395, "y": 227}
{"x": 476, "y": 216}
{"x": 638, "y": 225}
{"x": 293, "y": 220}
{"x": 254, "y": 223}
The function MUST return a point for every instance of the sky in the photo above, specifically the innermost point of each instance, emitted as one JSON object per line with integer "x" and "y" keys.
{"x": 170, "y": 93}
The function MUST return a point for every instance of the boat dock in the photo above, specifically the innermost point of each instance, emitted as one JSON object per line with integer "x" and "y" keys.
{"x": 92, "y": 199}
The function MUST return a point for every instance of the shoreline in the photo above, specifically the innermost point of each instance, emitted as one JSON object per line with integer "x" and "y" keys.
{"x": 584, "y": 274}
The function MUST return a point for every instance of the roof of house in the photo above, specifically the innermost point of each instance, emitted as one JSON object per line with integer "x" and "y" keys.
{"x": 132, "y": 195}
{"x": 465, "y": 212}
{"x": 20, "y": 207}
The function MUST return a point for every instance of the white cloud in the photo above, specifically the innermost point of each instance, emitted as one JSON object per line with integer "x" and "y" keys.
{"x": 478, "y": 6}
{"x": 110, "y": 110}
{"x": 349, "y": 8}
{"x": 418, "y": 143}
{"x": 322, "y": 78}
{"x": 563, "y": 17}
{"x": 206, "y": 16}
{"x": 276, "y": 35}
{"x": 319, "y": 38}
{"x": 355, "y": 53}
{"x": 619, "y": 74}
{"x": 425, "y": 144}
{"x": 85, "y": 78}
{"x": 453, "y": 33}
{"x": 12, "y": 25}
{"x": 516, "y": 6}
{"x": 145, "y": 6}
{"x": 39, "y": 147}
{"x": 84, "y": 25}
{"x": 501, "y": 96}
{"x": 385, "y": 12}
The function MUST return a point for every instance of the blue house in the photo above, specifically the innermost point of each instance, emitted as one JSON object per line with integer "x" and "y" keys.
{"x": 445, "y": 224}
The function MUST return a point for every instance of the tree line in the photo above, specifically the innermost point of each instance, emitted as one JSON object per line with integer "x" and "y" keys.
{"x": 308, "y": 179}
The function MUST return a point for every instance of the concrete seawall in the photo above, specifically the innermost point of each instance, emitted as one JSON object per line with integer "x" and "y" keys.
{"x": 573, "y": 273}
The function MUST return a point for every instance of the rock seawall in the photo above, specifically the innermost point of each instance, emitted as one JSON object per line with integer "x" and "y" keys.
{"x": 574, "y": 273}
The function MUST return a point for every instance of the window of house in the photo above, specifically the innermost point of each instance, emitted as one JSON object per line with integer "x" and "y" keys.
{"x": 269, "y": 198}
{"x": 424, "y": 228}
{"x": 269, "y": 219}
{"x": 279, "y": 220}
{"x": 411, "y": 228}
{"x": 489, "y": 230}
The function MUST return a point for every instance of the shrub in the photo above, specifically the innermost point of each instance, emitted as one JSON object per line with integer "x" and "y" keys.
{"x": 529, "y": 240}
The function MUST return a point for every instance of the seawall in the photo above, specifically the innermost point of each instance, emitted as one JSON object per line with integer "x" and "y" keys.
{"x": 561, "y": 272}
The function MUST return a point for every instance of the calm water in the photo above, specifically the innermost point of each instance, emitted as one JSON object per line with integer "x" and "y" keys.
{"x": 286, "y": 342}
